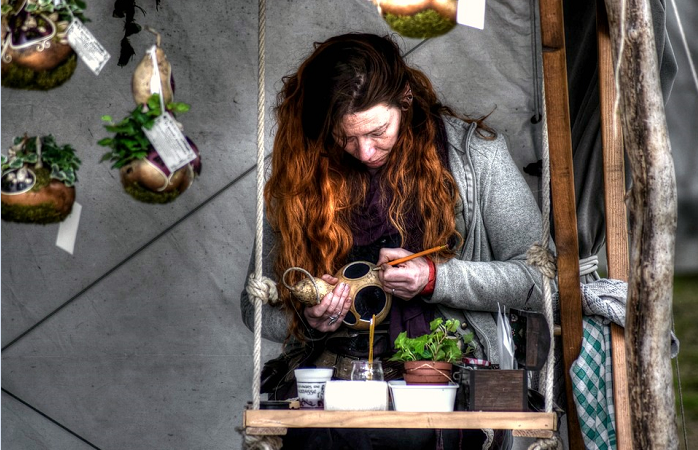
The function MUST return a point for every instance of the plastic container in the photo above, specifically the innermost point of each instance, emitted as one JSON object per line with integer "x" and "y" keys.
{"x": 423, "y": 398}
{"x": 344, "y": 395}
{"x": 311, "y": 386}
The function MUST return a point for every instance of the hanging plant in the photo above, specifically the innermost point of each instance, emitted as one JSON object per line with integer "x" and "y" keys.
{"x": 35, "y": 49}
{"x": 420, "y": 19}
{"x": 143, "y": 173}
{"x": 38, "y": 180}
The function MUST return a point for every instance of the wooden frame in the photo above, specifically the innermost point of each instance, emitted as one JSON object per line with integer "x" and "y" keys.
{"x": 536, "y": 424}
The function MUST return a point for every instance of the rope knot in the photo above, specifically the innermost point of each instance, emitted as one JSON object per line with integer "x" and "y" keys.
{"x": 260, "y": 442}
{"x": 263, "y": 288}
{"x": 553, "y": 443}
{"x": 543, "y": 259}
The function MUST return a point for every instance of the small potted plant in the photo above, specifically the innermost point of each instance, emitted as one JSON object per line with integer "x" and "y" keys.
{"x": 38, "y": 180}
{"x": 35, "y": 49}
{"x": 143, "y": 173}
{"x": 429, "y": 358}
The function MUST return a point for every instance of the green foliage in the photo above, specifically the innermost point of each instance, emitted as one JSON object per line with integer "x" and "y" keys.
{"x": 129, "y": 141}
{"x": 439, "y": 345}
{"x": 61, "y": 159}
{"x": 64, "y": 8}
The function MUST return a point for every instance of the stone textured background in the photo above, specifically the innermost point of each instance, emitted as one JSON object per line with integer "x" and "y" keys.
{"x": 135, "y": 341}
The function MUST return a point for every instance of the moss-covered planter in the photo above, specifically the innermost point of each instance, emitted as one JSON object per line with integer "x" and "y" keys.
{"x": 146, "y": 181}
{"x": 36, "y": 53}
{"x": 48, "y": 201}
{"x": 38, "y": 179}
{"x": 420, "y": 19}
{"x": 18, "y": 77}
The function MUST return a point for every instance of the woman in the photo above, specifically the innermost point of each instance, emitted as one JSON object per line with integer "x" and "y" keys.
{"x": 368, "y": 165}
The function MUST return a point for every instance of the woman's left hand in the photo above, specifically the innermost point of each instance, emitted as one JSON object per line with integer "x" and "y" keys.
{"x": 406, "y": 280}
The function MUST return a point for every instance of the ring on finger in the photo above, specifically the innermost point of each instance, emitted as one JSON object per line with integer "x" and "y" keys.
{"x": 333, "y": 319}
{"x": 393, "y": 291}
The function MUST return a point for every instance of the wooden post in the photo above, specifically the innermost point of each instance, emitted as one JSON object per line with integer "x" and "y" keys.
{"x": 652, "y": 226}
{"x": 616, "y": 218}
{"x": 563, "y": 198}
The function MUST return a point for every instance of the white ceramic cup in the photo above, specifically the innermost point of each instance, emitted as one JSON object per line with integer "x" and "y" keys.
{"x": 311, "y": 386}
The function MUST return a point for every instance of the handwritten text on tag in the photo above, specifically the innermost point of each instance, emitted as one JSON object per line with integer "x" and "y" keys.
{"x": 170, "y": 143}
{"x": 92, "y": 53}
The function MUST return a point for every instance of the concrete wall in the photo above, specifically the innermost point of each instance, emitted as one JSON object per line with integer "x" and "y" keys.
{"x": 135, "y": 341}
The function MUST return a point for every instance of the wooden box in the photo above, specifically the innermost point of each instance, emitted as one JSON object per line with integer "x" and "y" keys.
{"x": 498, "y": 390}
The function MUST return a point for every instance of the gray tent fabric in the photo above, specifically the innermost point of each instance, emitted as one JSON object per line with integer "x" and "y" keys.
{"x": 582, "y": 75}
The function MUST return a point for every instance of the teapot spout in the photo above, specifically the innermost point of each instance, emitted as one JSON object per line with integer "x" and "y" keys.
{"x": 305, "y": 292}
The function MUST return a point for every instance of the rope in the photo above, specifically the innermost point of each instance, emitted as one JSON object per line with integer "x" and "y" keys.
{"x": 256, "y": 383}
{"x": 685, "y": 44}
{"x": 260, "y": 288}
{"x": 264, "y": 442}
{"x": 539, "y": 256}
{"x": 547, "y": 444}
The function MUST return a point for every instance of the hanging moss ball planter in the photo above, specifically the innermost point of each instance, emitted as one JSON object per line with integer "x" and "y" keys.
{"x": 148, "y": 180}
{"x": 38, "y": 178}
{"x": 35, "y": 50}
{"x": 419, "y": 19}
{"x": 144, "y": 176}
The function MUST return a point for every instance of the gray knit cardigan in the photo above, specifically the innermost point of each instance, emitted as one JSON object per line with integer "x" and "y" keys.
{"x": 499, "y": 220}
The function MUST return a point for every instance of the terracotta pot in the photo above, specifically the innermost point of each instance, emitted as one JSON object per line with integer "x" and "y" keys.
{"x": 427, "y": 372}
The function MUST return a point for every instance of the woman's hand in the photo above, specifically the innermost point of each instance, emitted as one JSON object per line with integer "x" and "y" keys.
{"x": 405, "y": 280}
{"x": 329, "y": 313}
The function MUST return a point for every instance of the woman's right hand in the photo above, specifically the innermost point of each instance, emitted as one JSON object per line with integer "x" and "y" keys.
{"x": 328, "y": 314}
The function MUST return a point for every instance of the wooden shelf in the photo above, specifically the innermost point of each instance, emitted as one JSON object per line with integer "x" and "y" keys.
{"x": 282, "y": 419}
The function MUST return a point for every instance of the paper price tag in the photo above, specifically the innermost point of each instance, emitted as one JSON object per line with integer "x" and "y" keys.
{"x": 68, "y": 229}
{"x": 170, "y": 143}
{"x": 471, "y": 13}
{"x": 92, "y": 53}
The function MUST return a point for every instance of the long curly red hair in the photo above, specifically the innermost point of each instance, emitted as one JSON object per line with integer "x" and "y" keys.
{"x": 314, "y": 185}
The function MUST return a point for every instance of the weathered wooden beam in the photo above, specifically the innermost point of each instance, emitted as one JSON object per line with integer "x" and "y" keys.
{"x": 563, "y": 198}
{"x": 616, "y": 218}
{"x": 652, "y": 226}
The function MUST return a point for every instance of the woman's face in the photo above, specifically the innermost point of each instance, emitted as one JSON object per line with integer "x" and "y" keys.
{"x": 371, "y": 134}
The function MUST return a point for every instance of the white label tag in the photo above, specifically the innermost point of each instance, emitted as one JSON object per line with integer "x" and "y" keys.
{"x": 155, "y": 86}
{"x": 170, "y": 143}
{"x": 471, "y": 13}
{"x": 86, "y": 46}
{"x": 68, "y": 229}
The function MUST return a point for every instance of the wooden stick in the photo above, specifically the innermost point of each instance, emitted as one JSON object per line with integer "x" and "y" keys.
{"x": 616, "y": 219}
{"x": 413, "y": 256}
{"x": 652, "y": 205}
{"x": 563, "y": 199}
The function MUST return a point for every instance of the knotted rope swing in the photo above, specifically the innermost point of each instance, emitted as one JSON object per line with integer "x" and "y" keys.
{"x": 262, "y": 290}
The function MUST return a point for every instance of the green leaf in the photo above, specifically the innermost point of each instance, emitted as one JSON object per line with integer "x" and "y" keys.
{"x": 177, "y": 107}
{"x": 154, "y": 101}
{"x": 106, "y": 142}
{"x": 107, "y": 118}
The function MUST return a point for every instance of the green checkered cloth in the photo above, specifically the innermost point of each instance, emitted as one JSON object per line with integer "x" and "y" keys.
{"x": 592, "y": 385}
